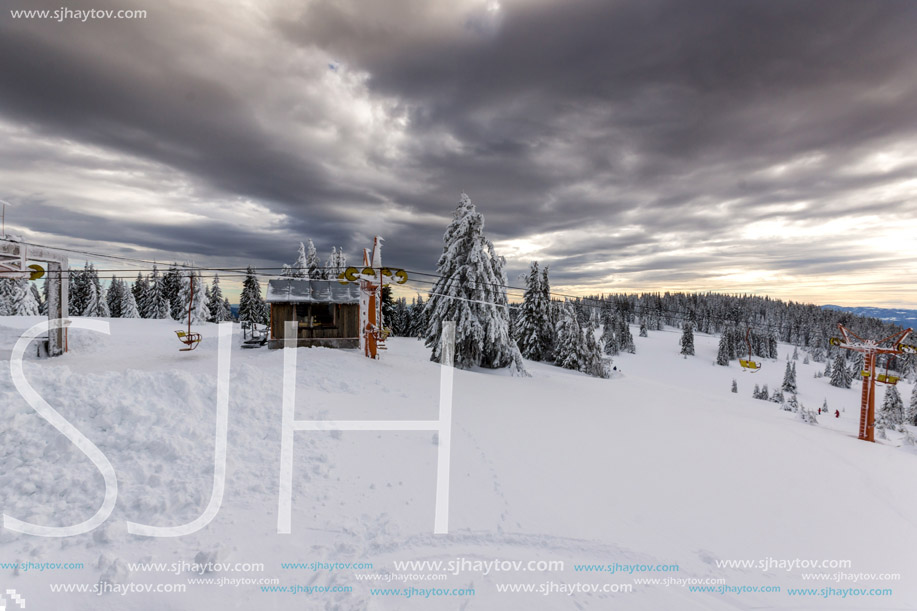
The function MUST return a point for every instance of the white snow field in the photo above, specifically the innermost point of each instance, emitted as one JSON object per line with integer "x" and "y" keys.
{"x": 659, "y": 466}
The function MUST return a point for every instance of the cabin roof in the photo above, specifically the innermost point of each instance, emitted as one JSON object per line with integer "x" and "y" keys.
{"x": 302, "y": 290}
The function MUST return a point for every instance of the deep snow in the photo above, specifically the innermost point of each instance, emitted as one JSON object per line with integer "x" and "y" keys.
{"x": 661, "y": 464}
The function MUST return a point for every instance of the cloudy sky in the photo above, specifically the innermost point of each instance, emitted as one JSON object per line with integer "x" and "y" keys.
{"x": 767, "y": 146}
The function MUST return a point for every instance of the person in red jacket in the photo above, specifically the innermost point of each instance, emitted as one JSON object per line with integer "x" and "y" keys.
{"x": 837, "y": 414}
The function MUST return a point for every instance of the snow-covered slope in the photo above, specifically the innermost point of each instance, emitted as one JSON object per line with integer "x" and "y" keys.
{"x": 660, "y": 465}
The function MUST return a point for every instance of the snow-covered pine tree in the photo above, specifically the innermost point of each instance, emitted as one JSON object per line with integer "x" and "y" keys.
{"x": 128, "y": 305}
{"x": 610, "y": 343}
{"x": 36, "y": 294}
{"x": 227, "y": 309}
{"x": 140, "y": 288}
{"x": 911, "y": 416}
{"x": 722, "y": 351}
{"x": 839, "y": 372}
{"x": 777, "y": 397}
{"x": 96, "y": 305}
{"x": 827, "y": 372}
{"x": 532, "y": 328}
{"x": 251, "y": 306}
{"x": 336, "y": 263}
{"x": 418, "y": 325}
{"x": 300, "y": 268}
{"x": 471, "y": 291}
{"x": 155, "y": 304}
{"x": 735, "y": 387}
{"x": 567, "y": 335}
{"x": 313, "y": 264}
{"x": 43, "y": 308}
{"x": 593, "y": 362}
{"x": 114, "y": 296}
{"x": 687, "y": 339}
{"x": 643, "y": 327}
{"x": 23, "y": 302}
{"x": 765, "y": 393}
{"x": 215, "y": 306}
{"x": 550, "y": 317}
{"x": 79, "y": 290}
{"x": 196, "y": 299}
{"x": 789, "y": 379}
{"x": 622, "y": 332}
{"x": 892, "y": 412}
{"x": 171, "y": 287}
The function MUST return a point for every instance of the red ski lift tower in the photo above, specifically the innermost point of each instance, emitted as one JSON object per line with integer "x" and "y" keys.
{"x": 372, "y": 278}
{"x": 870, "y": 350}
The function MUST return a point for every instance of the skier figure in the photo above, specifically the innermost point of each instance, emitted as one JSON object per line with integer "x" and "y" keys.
{"x": 819, "y": 411}
{"x": 837, "y": 414}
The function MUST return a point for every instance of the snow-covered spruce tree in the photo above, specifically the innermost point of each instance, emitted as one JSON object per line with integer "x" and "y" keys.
{"x": 194, "y": 300}
{"x": 171, "y": 287}
{"x": 96, "y": 305}
{"x": 418, "y": 324}
{"x": 610, "y": 343}
{"x": 251, "y": 306}
{"x": 594, "y": 363}
{"x": 735, "y": 387}
{"x": 471, "y": 291}
{"x": 43, "y": 307}
{"x": 789, "y": 379}
{"x": 218, "y": 312}
{"x": 549, "y": 329}
{"x": 140, "y": 289}
{"x": 313, "y": 266}
{"x": 336, "y": 263}
{"x": 777, "y": 397}
{"x": 765, "y": 393}
{"x": 114, "y": 296}
{"x": 227, "y": 308}
{"x": 642, "y": 327}
{"x": 156, "y": 305}
{"x": 23, "y": 302}
{"x": 127, "y": 307}
{"x": 300, "y": 268}
{"x": 687, "y": 339}
{"x": 533, "y": 326}
{"x": 625, "y": 338}
{"x": 79, "y": 290}
{"x": 892, "y": 412}
{"x": 722, "y": 351}
{"x": 839, "y": 372}
{"x": 911, "y": 416}
{"x": 567, "y": 334}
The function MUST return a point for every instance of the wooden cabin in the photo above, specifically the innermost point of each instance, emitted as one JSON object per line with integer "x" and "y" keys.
{"x": 327, "y": 312}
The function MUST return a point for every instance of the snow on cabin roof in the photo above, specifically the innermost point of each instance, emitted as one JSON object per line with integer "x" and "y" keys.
{"x": 301, "y": 290}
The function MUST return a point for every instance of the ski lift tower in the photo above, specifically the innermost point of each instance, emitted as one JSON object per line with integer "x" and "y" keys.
{"x": 372, "y": 279}
{"x": 870, "y": 350}
{"x": 14, "y": 264}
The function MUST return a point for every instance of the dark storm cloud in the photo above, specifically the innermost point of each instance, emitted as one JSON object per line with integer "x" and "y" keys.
{"x": 577, "y": 119}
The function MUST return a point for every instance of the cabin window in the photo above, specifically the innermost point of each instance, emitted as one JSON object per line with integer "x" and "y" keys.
{"x": 323, "y": 314}
{"x": 302, "y": 311}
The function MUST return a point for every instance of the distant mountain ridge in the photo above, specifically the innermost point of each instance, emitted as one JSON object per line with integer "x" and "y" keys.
{"x": 899, "y": 316}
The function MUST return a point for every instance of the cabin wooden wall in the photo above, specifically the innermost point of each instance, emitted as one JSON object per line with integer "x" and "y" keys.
{"x": 346, "y": 322}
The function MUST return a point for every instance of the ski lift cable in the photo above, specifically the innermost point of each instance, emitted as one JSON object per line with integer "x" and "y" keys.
{"x": 591, "y": 302}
